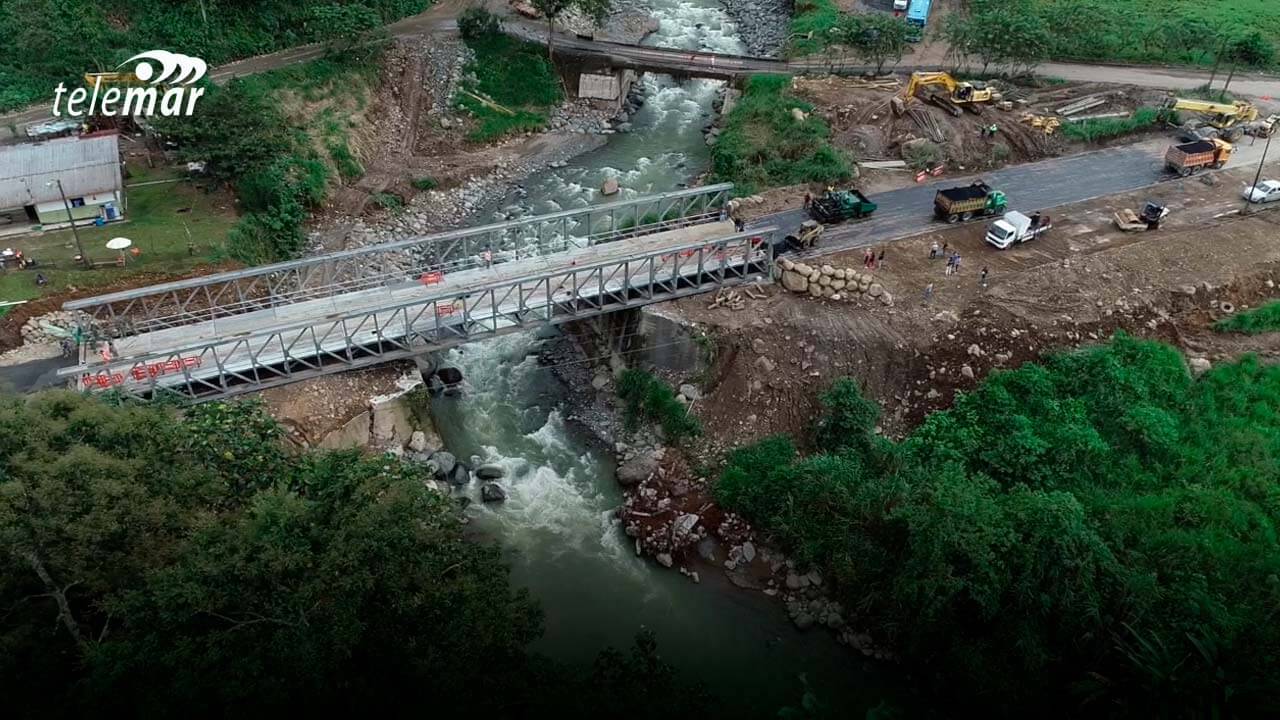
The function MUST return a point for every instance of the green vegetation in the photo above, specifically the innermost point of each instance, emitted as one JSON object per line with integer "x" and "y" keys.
{"x": 513, "y": 75}
{"x": 424, "y": 183}
{"x": 1008, "y": 35}
{"x": 1189, "y": 32}
{"x": 646, "y": 398}
{"x": 763, "y": 144}
{"x": 159, "y": 563}
{"x": 388, "y": 201}
{"x": 1093, "y": 536}
{"x": 1107, "y": 128}
{"x": 280, "y": 139}
{"x": 52, "y": 41}
{"x": 811, "y": 26}
{"x": 1259, "y": 320}
{"x": 158, "y": 220}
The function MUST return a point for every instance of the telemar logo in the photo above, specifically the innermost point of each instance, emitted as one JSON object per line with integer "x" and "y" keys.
{"x": 171, "y": 88}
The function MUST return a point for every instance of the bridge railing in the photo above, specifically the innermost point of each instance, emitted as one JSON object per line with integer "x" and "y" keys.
{"x": 222, "y": 367}
{"x": 377, "y": 268}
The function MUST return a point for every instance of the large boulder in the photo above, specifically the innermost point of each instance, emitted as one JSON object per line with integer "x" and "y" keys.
{"x": 490, "y": 471}
{"x": 418, "y": 441}
{"x": 492, "y": 492}
{"x": 460, "y": 475}
{"x": 682, "y": 529}
{"x": 638, "y": 469}
{"x": 445, "y": 461}
{"x": 794, "y": 281}
{"x": 610, "y": 187}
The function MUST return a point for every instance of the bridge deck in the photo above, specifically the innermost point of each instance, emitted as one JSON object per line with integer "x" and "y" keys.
{"x": 209, "y": 358}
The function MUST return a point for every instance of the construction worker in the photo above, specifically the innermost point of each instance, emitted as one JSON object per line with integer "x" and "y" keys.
{"x": 808, "y": 199}
{"x": 993, "y": 129}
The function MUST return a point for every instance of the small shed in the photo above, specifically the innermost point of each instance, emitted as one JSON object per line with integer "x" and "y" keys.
{"x": 88, "y": 167}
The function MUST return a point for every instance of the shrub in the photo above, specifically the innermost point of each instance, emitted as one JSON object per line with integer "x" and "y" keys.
{"x": 847, "y": 420}
{"x": 646, "y": 398}
{"x": 348, "y": 167}
{"x": 476, "y": 22}
{"x": 513, "y": 74}
{"x": 424, "y": 183}
{"x": 388, "y": 201}
{"x": 1107, "y": 128}
{"x": 763, "y": 144}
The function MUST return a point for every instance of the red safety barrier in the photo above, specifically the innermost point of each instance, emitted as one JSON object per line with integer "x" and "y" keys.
{"x": 432, "y": 278}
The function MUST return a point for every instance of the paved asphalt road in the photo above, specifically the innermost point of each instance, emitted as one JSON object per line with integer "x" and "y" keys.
{"x": 1033, "y": 186}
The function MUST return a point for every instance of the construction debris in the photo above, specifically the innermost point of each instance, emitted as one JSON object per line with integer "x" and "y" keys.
{"x": 1044, "y": 122}
{"x": 883, "y": 164}
{"x": 1084, "y": 103}
{"x": 726, "y": 298}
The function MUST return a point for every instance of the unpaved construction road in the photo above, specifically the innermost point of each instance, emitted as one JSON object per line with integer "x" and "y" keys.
{"x": 1030, "y": 187}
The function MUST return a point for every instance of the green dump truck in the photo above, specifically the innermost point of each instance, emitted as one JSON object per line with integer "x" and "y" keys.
{"x": 839, "y": 205}
{"x": 968, "y": 201}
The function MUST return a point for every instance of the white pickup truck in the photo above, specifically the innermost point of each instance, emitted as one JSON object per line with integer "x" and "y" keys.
{"x": 1015, "y": 228}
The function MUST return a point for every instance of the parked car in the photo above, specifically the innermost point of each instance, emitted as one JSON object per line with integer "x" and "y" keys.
{"x": 1265, "y": 191}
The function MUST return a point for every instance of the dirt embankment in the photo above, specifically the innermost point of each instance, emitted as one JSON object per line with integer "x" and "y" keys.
{"x": 1079, "y": 284}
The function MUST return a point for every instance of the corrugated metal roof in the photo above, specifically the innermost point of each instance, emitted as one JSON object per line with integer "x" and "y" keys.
{"x": 85, "y": 165}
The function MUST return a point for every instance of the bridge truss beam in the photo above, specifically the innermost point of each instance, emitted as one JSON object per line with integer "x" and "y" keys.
{"x": 224, "y": 367}
{"x": 206, "y": 298}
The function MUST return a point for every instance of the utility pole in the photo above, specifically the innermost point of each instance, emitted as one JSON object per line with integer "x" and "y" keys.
{"x": 1258, "y": 177}
{"x": 84, "y": 259}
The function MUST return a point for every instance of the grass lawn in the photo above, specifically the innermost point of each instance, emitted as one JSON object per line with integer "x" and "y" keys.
{"x": 156, "y": 216}
{"x": 514, "y": 74}
{"x": 1161, "y": 31}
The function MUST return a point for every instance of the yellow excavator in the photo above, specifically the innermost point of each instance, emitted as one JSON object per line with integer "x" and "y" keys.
{"x": 1230, "y": 119}
{"x": 960, "y": 93}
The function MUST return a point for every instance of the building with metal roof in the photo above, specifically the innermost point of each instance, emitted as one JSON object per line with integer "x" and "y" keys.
{"x": 88, "y": 167}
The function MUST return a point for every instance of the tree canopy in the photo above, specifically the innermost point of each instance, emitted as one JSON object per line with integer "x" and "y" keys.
{"x": 1096, "y": 534}
{"x": 158, "y": 564}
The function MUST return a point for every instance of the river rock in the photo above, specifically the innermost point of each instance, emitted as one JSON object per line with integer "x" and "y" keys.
{"x": 748, "y": 551}
{"x": 418, "y": 441}
{"x": 460, "y": 475}
{"x": 764, "y": 364}
{"x": 797, "y": 582}
{"x": 664, "y": 559}
{"x": 610, "y": 187}
{"x": 492, "y": 492}
{"x": 1199, "y": 365}
{"x": 875, "y": 289}
{"x": 638, "y": 469}
{"x": 490, "y": 471}
{"x": 803, "y": 620}
{"x": 445, "y": 461}
{"x": 682, "y": 528}
{"x": 794, "y": 281}
{"x": 690, "y": 391}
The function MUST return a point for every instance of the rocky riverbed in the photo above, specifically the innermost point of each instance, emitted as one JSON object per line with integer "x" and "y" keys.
{"x": 762, "y": 24}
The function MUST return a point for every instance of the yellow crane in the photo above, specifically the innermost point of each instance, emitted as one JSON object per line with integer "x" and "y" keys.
{"x": 961, "y": 92}
{"x": 1230, "y": 119}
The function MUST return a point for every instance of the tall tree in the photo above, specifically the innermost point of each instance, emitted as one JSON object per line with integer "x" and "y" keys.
{"x": 875, "y": 38}
{"x": 553, "y": 9}
{"x": 1253, "y": 51}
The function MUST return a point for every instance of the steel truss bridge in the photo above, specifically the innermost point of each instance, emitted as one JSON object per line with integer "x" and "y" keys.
{"x": 235, "y": 332}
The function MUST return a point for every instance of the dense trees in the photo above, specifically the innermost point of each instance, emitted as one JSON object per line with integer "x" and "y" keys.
{"x": 49, "y": 41}
{"x": 156, "y": 564}
{"x": 1095, "y": 534}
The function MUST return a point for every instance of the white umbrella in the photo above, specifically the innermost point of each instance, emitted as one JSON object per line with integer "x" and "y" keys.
{"x": 119, "y": 243}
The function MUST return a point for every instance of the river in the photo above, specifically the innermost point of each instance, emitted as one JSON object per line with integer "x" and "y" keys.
{"x": 557, "y": 525}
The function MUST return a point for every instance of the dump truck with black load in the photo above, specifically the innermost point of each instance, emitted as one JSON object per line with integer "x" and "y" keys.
{"x": 968, "y": 201}
{"x": 839, "y": 205}
{"x": 1195, "y": 156}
